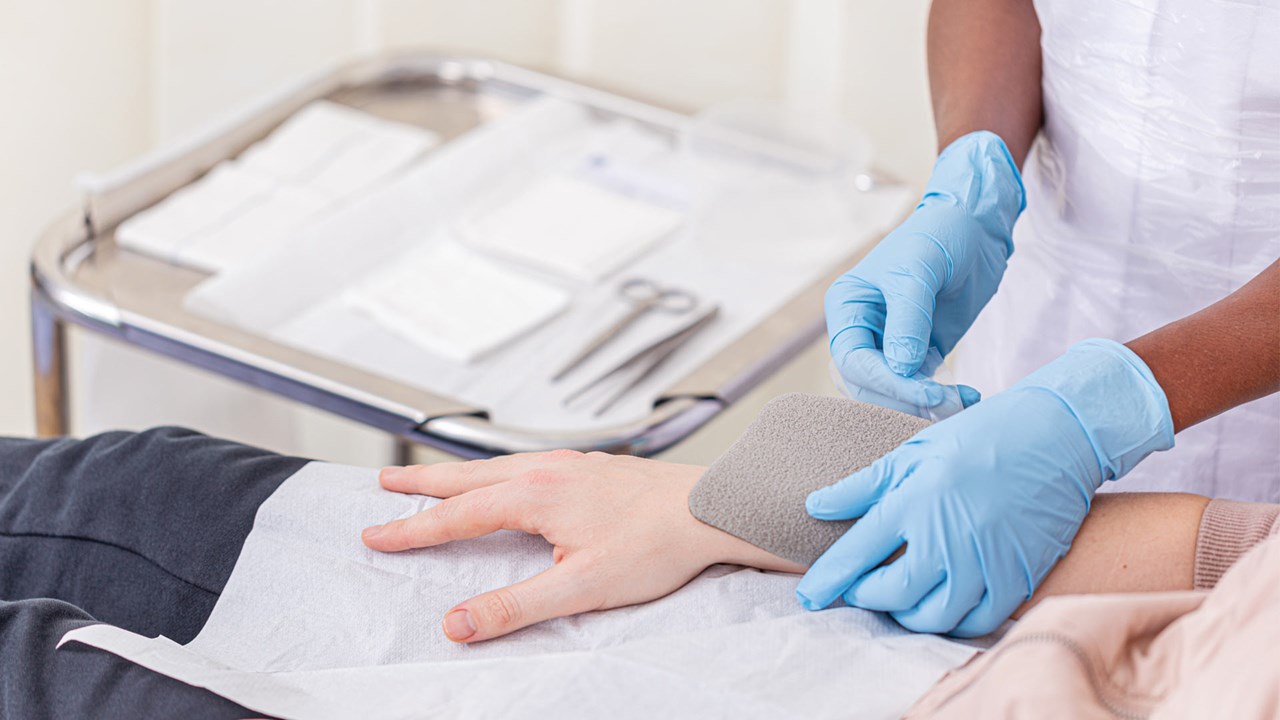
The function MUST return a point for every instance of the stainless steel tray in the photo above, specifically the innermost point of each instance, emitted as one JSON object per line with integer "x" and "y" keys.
{"x": 81, "y": 276}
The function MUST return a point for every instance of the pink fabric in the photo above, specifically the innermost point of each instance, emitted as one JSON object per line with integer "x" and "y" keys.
{"x": 1192, "y": 654}
{"x": 1228, "y": 530}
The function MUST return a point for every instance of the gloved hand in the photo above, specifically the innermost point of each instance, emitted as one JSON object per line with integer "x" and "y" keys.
{"x": 924, "y": 284}
{"x": 987, "y": 501}
{"x": 954, "y": 397}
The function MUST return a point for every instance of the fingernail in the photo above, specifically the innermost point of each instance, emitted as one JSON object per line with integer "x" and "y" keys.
{"x": 391, "y": 472}
{"x": 458, "y": 626}
{"x": 371, "y": 533}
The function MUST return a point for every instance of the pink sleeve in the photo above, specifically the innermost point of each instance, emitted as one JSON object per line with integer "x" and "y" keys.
{"x": 1228, "y": 530}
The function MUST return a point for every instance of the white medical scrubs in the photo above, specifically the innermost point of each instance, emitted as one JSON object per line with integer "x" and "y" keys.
{"x": 1154, "y": 191}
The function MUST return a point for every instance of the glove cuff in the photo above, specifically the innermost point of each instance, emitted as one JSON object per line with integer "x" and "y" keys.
{"x": 1116, "y": 399}
{"x": 977, "y": 173}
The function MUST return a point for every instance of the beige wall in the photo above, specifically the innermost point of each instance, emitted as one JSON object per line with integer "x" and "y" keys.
{"x": 76, "y": 95}
{"x": 90, "y": 84}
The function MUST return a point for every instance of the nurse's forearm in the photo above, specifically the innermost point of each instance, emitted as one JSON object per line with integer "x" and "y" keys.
{"x": 984, "y": 71}
{"x": 1220, "y": 357}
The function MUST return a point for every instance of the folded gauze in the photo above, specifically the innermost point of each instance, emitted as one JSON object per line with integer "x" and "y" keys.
{"x": 799, "y": 443}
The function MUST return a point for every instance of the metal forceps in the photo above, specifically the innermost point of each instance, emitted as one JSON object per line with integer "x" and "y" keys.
{"x": 642, "y": 364}
{"x": 645, "y": 296}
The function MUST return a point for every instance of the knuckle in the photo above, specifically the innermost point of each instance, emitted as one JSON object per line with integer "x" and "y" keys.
{"x": 835, "y": 293}
{"x": 479, "y": 505}
{"x": 540, "y": 478}
{"x": 393, "y": 533}
{"x": 500, "y": 609}
{"x": 592, "y": 576}
{"x": 922, "y": 623}
{"x": 838, "y": 294}
{"x": 976, "y": 628}
{"x": 409, "y": 470}
{"x": 452, "y": 517}
{"x": 443, "y": 511}
{"x": 563, "y": 455}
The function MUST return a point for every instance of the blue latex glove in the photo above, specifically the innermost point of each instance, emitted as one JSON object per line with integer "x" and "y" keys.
{"x": 956, "y": 397}
{"x": 987, "y": 501}
{"x": 924, "y": 284}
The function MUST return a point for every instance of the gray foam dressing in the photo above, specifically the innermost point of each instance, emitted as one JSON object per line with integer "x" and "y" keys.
{"x": 799, "y": 443}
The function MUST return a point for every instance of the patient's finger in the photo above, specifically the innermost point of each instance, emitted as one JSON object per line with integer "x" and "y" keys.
{"x": 466, "y": 516}
{"x": 553, "y": 593}
{"x": 447, "y": 479}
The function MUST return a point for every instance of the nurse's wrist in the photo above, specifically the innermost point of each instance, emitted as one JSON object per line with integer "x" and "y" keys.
{"x": 1223, "y": 356}
{"x": 1115, "y": 398}
{"x": 977, "y": 173}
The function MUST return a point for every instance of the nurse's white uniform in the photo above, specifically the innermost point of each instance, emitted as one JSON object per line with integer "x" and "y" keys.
{"x": 1153, "y": 192}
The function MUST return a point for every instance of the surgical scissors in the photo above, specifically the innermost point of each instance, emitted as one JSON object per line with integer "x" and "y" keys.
{"x": 645, "y": 296}
{"x": 641, "y": 365}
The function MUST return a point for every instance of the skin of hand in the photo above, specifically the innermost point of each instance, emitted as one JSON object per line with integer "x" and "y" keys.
{"x": 626, "y": 524}
{"x": 620, "y": 527}
{"x": 1223, "y": 356}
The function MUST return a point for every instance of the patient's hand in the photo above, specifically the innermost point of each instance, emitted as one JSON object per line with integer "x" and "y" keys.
{"x": 621, "y": 528}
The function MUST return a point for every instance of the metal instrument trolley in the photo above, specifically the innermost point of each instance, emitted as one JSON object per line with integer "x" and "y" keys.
{"x": 81, "y": 276}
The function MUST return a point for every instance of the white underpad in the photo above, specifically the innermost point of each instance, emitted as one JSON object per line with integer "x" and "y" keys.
{"x": 312, "y": 624}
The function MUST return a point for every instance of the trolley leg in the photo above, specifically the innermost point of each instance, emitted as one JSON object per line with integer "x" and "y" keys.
{"x": 49, "y": 345}
{"x": 403, "y": 452}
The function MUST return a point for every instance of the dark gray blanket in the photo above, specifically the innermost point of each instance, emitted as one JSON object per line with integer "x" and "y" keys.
{"x": 139, "y": 530}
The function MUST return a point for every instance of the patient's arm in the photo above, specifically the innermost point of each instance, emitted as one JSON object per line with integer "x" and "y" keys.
{"x": 623, "y": 535}
{"x": 620, "y": 526}
{"x": 1129, "y": 542}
